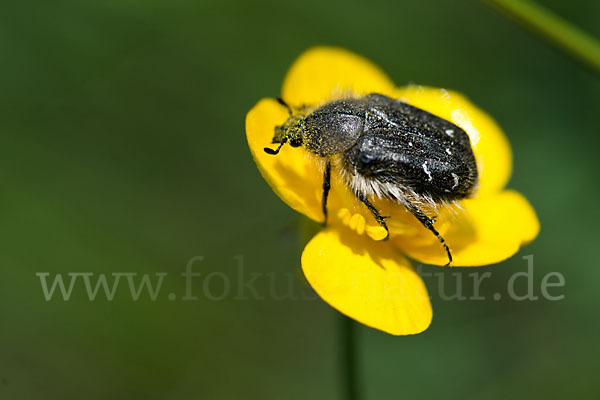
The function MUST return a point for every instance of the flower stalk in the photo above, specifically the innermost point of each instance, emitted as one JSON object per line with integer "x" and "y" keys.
{"x": 348, "y": 357}
{"x": 557, "y": 31}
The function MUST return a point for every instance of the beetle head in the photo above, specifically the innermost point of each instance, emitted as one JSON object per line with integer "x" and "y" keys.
{"x": 292, "y": 132}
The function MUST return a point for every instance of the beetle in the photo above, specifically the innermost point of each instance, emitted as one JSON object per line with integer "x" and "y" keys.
{"x": 385, "y": 148}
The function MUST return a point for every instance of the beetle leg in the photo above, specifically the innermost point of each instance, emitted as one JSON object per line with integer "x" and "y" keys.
{"x": 326, "y": 187}
{"x": 428, "y": 223}
{"x": 380, "y": 220}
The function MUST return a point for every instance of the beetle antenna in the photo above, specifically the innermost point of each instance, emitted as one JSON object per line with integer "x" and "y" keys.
{"x": 276, "y": 151}
{"x": 286, "y": 105}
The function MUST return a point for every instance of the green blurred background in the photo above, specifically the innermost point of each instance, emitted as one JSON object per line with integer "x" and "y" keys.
{"x": 122, "y": 149}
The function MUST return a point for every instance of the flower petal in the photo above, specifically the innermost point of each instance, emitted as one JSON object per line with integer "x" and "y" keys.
{"x": 490, "y": 229}
{"x": 322, "y": 71}
{"x": 368, "y": 281}
{"x": 491, "y": 148}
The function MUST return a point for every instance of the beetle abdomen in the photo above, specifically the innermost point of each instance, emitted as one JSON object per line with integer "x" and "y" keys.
{"x": 426, "y": 168}
{"x": 412, "y": 149}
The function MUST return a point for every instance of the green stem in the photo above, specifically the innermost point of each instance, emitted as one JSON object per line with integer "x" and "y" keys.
{"x": 346, "y": 328}
{"x": 559, "y": 32}
{"x": 347, "y": 343}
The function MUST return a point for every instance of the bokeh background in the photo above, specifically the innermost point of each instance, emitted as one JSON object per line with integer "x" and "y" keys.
{"x": 122, "y": 149}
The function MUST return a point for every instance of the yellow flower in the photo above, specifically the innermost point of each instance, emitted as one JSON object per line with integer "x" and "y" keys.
{"x": 347, "y": 263}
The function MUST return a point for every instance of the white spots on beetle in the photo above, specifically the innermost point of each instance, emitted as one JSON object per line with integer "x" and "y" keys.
{"x": 383, "y": 116}
{"x": 379, "y": 113}
{"x": 448, "y": 151}
{"x": 450, "y": 132}
{"x": 455, "y": 180}
{"x": 427, "y": 171}
{"x": 462, "y": 119}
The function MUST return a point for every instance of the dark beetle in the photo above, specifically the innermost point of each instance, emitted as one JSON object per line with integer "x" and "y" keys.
{"x": 387, "y": 149}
